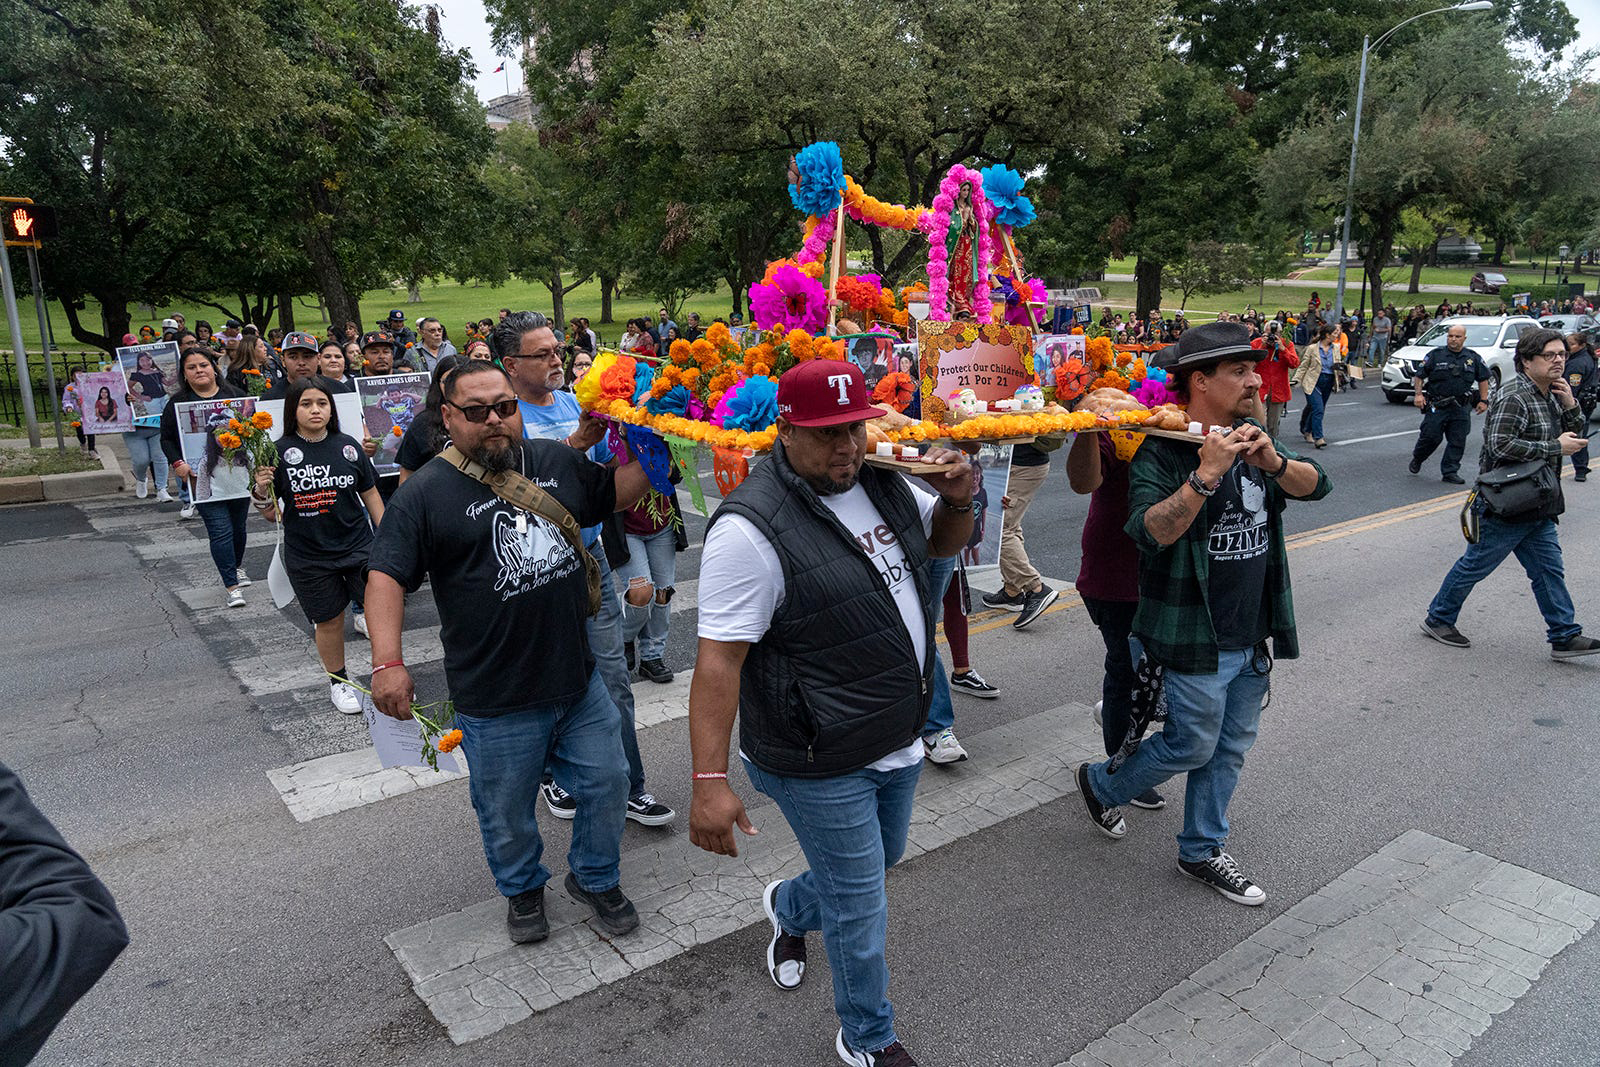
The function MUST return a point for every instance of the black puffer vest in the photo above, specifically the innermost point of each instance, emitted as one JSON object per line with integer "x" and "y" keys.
{"x": 833, "y": 685}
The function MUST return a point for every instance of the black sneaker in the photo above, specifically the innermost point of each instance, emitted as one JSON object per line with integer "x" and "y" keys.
{"x": 972, "y": 684}
{"x": 1108, "y": 821}
{"x": 1034, "y": 605}
{"x": 646, "y": 810}
{"x": 1415, "y": 466}
{"x": 786, "y": 953}
{"x": 656, "y": 670}
{"x": 894, "y": 1055}
{"x": 1221, "y": 873}
{"x": 525, "y": 918}
{"x": 1149, "y": 800}
{"x": 1573, "y": 647}
{"x": 562, "y": 804}
{"x": 1445, "y": 634}
{"x": 1005, "y": 600}
{"x": 1581, "y": 476}
{"x": 613, "y": 911}
{"x": 1454, "y": 479}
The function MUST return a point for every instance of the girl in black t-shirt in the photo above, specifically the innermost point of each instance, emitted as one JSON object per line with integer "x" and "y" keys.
{"x": 327, "y": 489}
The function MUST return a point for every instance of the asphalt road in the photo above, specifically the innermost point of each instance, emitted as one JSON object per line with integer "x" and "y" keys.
{"x": 259, "y": 940}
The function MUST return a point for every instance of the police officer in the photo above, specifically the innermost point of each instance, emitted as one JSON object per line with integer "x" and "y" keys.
{"x": 1451, "y": 379}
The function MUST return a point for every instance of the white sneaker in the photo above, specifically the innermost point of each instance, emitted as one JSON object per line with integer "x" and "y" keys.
{"x": 346, "y": 699}
{"x": 361, "y": 626}
{"x": 244, "y": 579}
{"x": 944, "y": 748}
{"x": 187, "y": 511}
{"x": 141, "y": 489}
{"x": 1099, "y": 710}
{"x": 235, "y": 599}
{"x": 163, "y": 497}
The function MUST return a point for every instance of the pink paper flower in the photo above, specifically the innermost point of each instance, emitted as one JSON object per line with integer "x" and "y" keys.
{"x": 793, "y": 299}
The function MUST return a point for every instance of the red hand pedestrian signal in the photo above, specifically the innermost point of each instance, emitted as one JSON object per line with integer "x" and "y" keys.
{"x": 30, "y": 223}
{"x": 23, "y": 222}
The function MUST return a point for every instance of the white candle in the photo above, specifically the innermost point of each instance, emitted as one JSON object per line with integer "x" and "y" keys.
{"x": 1196, "y": 429}
{"x": 908, "y": 452}
{"x": 886, "y": 448}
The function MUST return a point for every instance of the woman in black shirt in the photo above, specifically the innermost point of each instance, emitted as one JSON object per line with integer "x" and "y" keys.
{"x": 327, "y": 490}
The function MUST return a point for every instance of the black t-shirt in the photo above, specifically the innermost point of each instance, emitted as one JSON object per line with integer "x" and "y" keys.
{"x": 1236, "y": 518}
{"x": 512, "y": 603}
{"x": 414, "y": 448}
{"x": 1025, "y": 455}
{"x": 320, "y": 484}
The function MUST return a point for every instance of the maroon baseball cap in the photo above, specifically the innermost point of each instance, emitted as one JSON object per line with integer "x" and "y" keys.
{"x": 824, "y": 392}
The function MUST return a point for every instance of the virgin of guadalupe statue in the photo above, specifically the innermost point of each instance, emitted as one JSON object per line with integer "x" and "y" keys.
{"x": 962, "y": 249}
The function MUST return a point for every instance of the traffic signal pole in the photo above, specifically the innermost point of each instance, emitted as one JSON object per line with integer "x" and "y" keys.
{"x": 44, "y": 342}
{"x": 18, "y": 349}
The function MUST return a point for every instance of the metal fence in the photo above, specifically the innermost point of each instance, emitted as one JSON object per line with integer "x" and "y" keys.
{"x": 63, "y": 363}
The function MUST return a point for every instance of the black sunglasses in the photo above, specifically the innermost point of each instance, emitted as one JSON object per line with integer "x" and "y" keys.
{"x": 480, "y": 412}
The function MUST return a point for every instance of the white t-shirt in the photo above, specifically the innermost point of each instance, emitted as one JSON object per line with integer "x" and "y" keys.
{"x": 741, "y": 580}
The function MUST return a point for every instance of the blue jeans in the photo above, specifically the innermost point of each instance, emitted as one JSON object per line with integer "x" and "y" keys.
{"x": 225, "y": 526}
{"x": 1378, "y": 349}
{"x": 605, "y": 642}
{"x": 1316, "y": 405}
{"x": 507, "y": 754}
{"x": 1537, "y": 549}
{"x": 1211, "y": 723}
{"x": 852, "y": 829}
{"x": 653, "y": 557}
{"x": 942, "y": 711}
{"x": 145, "y": 456}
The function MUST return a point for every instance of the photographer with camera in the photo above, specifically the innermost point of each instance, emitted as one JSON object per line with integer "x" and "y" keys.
{"x": 1278, "y": 358}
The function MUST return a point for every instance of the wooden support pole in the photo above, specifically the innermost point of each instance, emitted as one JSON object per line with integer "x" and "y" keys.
{"x": 838, "y": 262}
{"x": 1016, "y": 274}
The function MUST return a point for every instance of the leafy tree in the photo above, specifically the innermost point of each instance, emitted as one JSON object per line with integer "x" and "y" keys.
{"x": 1207, "y": 268}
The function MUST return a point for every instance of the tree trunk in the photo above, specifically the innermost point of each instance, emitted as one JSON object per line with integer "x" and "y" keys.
{"x": 558, "y": 300}
{"x": 1379, "y": 248}
{"x": 413, "y": 290}
{"x": 114, "y": 319}
{"x": 1416, "y": 274}
{"x": 1499, "y": 250}
{"x": 286, "y": 312}
{"x": 1147, "y": 277}
{"x": 608, "y": 282}
{"x": 343, "y": 305}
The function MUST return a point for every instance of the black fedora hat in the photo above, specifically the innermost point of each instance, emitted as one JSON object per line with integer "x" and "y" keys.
{"x": 1201, "y": 346}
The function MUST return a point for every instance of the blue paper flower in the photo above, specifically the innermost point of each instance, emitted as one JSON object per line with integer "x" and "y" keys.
{"x": 653, "y": 455}
{"x": 644, "y": 374}
{"x": 1003, "y": 187}
{"x": 675, "y": 402}
{"x": 755, "y": 407}
{"x": 821, "y": 179}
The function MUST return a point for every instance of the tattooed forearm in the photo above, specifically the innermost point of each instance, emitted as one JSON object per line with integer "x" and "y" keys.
{"x": 1168, "y": 520}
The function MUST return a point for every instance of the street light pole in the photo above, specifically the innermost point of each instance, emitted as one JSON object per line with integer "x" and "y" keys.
{"x": 1367, "y": 46}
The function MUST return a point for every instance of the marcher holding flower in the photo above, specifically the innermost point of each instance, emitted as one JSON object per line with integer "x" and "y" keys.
{"x": 224, "y": 519}
{"x": 328, "y": 489}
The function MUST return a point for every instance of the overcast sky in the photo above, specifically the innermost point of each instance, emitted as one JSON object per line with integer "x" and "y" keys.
{"x": 466, "y": 26}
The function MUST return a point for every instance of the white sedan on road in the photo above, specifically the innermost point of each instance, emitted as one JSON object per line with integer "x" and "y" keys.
{"x": 1491, "y": 336}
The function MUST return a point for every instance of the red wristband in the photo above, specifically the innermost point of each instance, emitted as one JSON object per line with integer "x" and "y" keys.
{"x": 702, "y": 776}
{"x": 385, "y": 666}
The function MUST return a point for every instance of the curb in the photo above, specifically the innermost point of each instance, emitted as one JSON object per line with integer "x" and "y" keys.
{"x": 46, "y": 488}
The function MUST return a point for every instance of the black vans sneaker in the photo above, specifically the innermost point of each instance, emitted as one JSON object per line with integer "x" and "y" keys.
{"x": 786, "y": 953}
{"x": 613, "y": 911}
{"x": 646, "y": 810}
{"x": 1573, "y": 647}
{"x": 1221, "y": 873}
{"x": 525, "y": 918}
{"x": 1108, "y": 821}
{"x": 894, "y": 1055}
{"x": 1445, "y": 634}
{"x": 562, "y": 804}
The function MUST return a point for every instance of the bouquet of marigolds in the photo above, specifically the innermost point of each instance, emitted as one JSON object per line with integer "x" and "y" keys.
{"x": 255, "y": 382}
{"x": 247, "y": 433}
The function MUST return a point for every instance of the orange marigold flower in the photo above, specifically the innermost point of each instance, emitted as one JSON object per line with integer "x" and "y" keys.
{"x": 717, "y": 333}
{"x": 251, "y": 370}
{"x": 261, "y": 420}
{"x": 681, "y": 352}
{"x": 398, "y": 432}
{"x": 449, "y": 740}
{"x": 235, "y": 425}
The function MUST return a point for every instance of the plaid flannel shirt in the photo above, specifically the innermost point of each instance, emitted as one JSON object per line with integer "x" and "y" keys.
{"x": 1174, "y": 615}
{"x": 1523, "y": 425}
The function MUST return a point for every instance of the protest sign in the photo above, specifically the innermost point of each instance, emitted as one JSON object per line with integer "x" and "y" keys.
{"x": 1051, "y": 353}
{"x": 152, "y": 373}
{"x": 103, "y": 395}
{"x": 388, "y": 404}
{"x": 993, "y": 360}
{"x": 217, "y": 476}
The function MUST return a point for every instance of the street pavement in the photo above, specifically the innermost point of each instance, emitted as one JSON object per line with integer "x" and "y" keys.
{"x": 1415, "y": 813}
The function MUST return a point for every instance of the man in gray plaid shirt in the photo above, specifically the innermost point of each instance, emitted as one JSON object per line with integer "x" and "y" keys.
{"x": 1534, "y": 416}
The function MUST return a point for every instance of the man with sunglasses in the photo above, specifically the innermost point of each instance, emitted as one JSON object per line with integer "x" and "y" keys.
{"x": 526, "y": 344}
{"x": 512, "y": 599}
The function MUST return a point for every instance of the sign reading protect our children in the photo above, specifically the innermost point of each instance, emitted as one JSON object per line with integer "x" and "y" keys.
{"x": 993, "y": 360}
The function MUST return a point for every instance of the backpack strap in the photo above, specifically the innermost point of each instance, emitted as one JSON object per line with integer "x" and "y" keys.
{"x": 520, "y": 492}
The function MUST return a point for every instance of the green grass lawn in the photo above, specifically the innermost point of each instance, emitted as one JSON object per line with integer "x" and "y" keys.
{"x": 1400, "y": 277}
{"x": 23, "y": 462}
{"x": 450, "y": 303}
